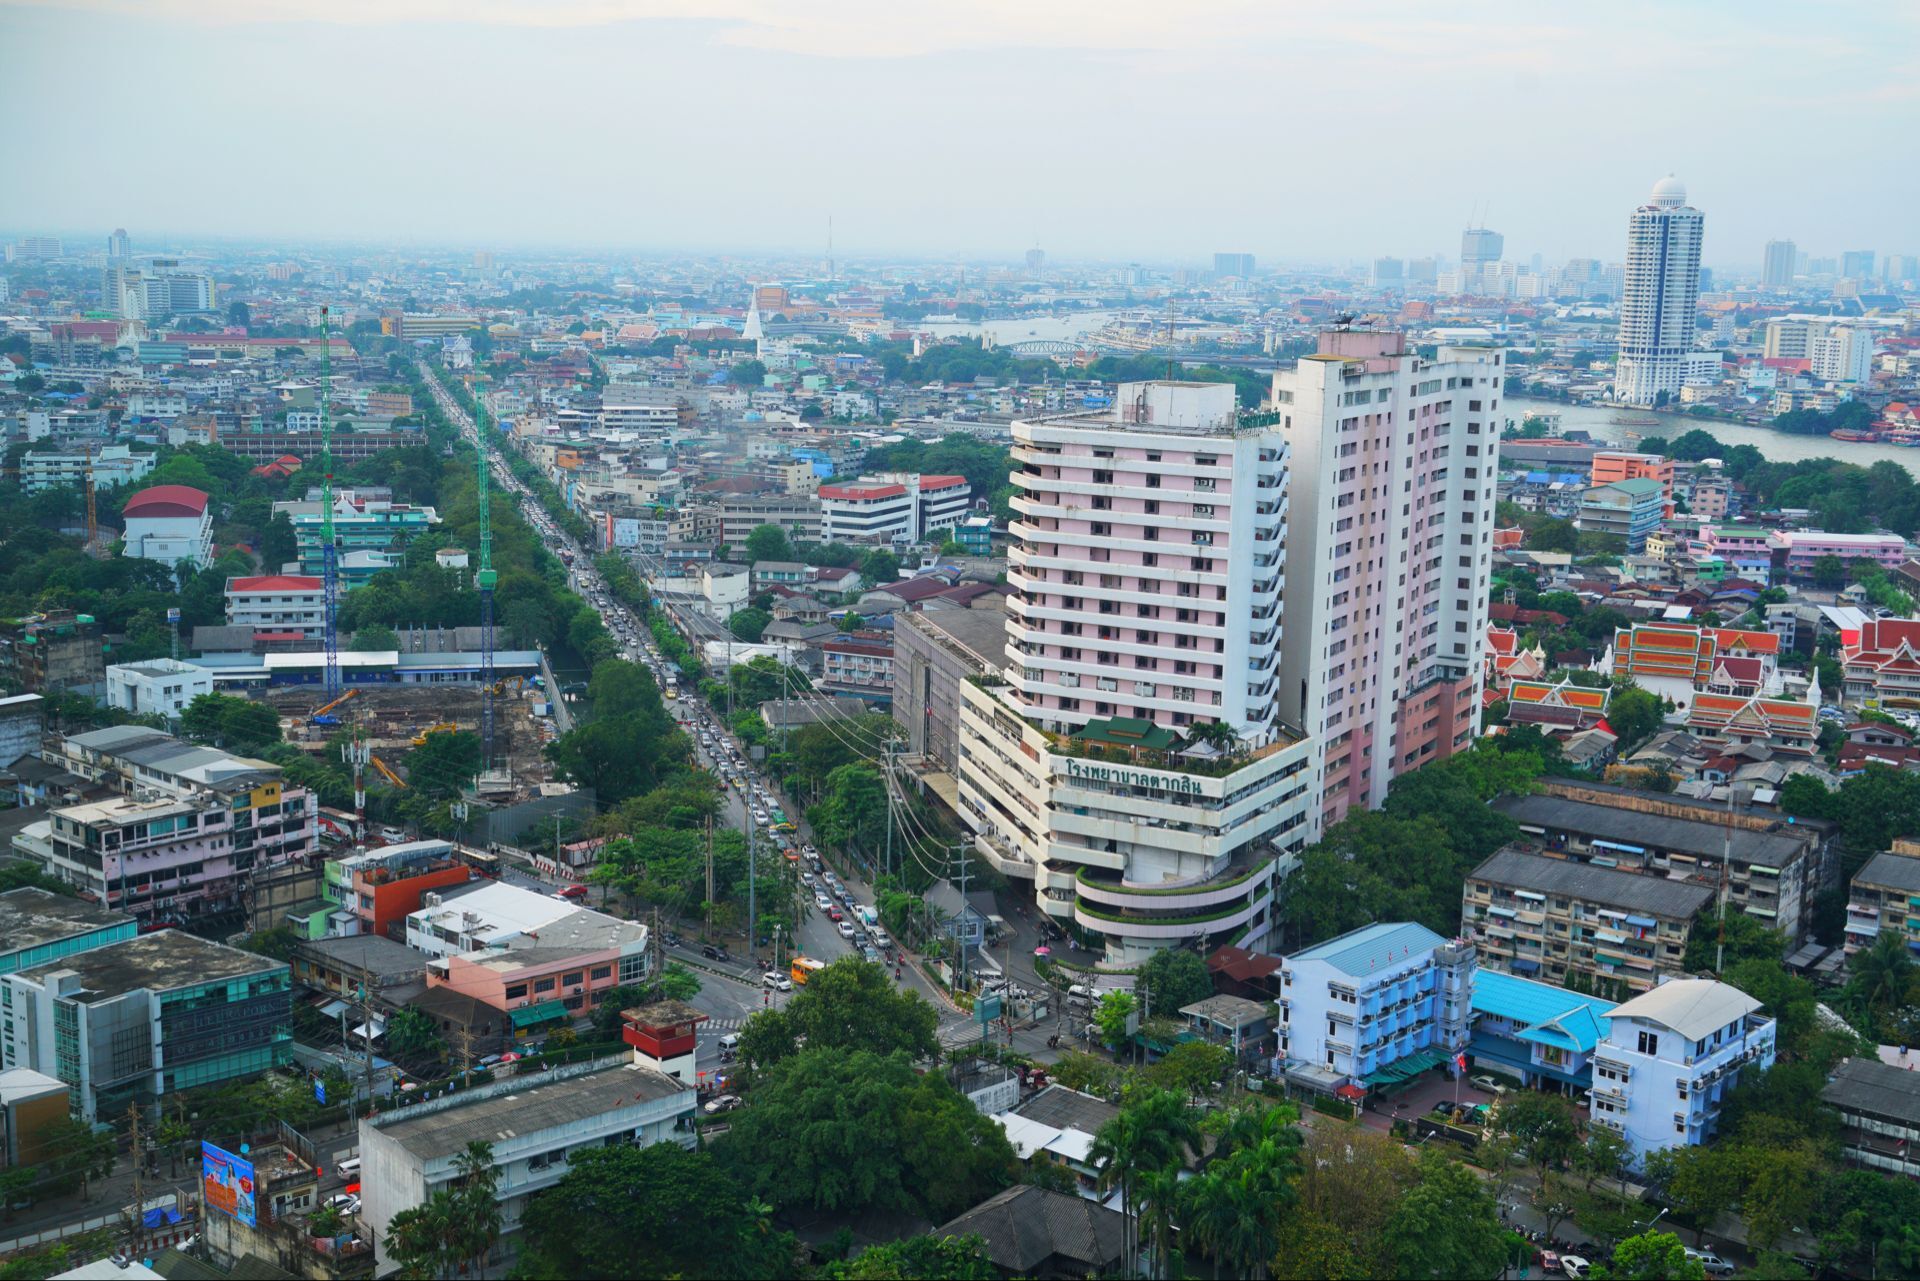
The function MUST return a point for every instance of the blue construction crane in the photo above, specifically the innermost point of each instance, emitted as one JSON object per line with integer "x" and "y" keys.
{"x": 329, "y": 553}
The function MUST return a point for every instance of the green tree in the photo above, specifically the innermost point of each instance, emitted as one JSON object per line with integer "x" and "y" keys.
{"x": 851, "y": 1132}
{"x": 851, "y": 1006}
{"x": 1829, "y": 572}
{"x": 413, "y": 1036}
{"x": 749, "y": 624}
{"x": 924, "y": 1258}
{"x": 1445, "y": 1226}
{"x": 1176, "y": 978}
{"x": 747, "y": 373}
{"x": 1112, "y": 1015}
{"x": 1651, "y": 1256}
{"x": 1634, "y": 715}
{"x": 1699, "y": 1182}
{"x": 768, "y": 542}
{"x": 658, "y": 1211}
{"x": 879, "y": 567}
{"x": 1154, "y": 1133}
{"x": 445, "y": 764}
{"x": 373, "y": 638}
{"x": 1194, "y": 1068}
{"x": 225, "y": 720}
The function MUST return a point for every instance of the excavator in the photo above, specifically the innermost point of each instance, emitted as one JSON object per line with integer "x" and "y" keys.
{"x": 387, "y": 772}
{"x": 444, "y": 727}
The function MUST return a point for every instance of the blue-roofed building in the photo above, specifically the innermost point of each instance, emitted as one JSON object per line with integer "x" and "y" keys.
{"x": 1541, "y": 1035}
{"x": 1377, "y": 1005}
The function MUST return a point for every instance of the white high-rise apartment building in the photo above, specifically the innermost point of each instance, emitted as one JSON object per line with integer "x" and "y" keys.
{"x": 1842, "y": 354}
{"x": 1776, "y": 271}
{"x": 1394, "y": 463}
{"x": 1132, "y": 763}
{"x": 1660, "y": 295}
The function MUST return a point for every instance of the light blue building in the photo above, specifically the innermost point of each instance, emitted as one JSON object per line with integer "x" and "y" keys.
{"x": 1377, "y": 1005}
{"x": 975, "y": 533}
{"x": 1544, "y": 1036}
{"x": 1669, "y": 1059}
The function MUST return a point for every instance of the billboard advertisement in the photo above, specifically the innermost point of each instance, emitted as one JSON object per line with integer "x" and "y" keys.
{"x": 227, "y": 1183}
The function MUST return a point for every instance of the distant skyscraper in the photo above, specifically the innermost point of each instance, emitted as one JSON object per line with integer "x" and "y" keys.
{"x": 1036, "y": 263}
{"x": 1389, "y": 272}
{"x": 118, "y": 246}
{"x": 1900, "y": 267}
{"x": 1777, "y": 271}
{"x": 1857, "y": 264}
{"x": 1479, "y": 245}
{"x": 1421, "y": 271}
{"x": 483, "y": 259}
{"x": 1240, "y": 265}
{"x": 1660, "y": 295}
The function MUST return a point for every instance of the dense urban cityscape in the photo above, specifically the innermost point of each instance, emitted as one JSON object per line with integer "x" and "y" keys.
{"x": 555, "y": 762}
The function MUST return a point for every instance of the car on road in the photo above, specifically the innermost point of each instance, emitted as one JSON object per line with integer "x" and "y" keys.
{"x": 846, "y": 929}
{"x": 1574, "y": 1266}
{"x": 806, "y": 878}
{"x": 777, "y": 981}
{"x": 713, "y": 953}
{"x": 835, "y": 914}
{"x": 822, "y": 902}
{"x": 721, "y": 1103}
{"x": 572, "y": 893}
{"x": 880, "y": 938}
{"x": 346, "y": 1202}
{"x": 1491, "y": 1084}
{"x": 1713, "y": 1263}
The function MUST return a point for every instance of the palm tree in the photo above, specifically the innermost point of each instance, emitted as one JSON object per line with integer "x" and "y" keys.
{"x": 474, "y": 1167}
{"x": 1152, "y": 1134}
{"x": 326, "y": 1221}
{"x": 1234, "y": 1209}
{"x": 1159, "y": 1193}
{"x": 1883, "y": 972}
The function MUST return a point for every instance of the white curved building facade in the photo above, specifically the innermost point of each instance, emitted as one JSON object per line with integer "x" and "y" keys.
{"x": 1659, "y": 297}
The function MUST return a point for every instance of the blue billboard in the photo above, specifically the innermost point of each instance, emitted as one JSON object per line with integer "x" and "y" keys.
{"x": 227, "y": 1184}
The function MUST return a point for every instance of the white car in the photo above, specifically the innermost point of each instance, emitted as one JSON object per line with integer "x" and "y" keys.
{"x": 846, "y": 929}
{"x": 1713, "y": 1263}
{"x": 777, "y": 981}
{"x": 346, "y": 1202}
{"x": 822, "y": 902}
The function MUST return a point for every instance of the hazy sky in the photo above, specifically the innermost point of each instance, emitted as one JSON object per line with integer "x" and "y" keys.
{"x": 1094, "y": 128}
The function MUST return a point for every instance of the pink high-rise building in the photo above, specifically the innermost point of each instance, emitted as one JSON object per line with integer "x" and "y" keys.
{"x": 1148, "y": 561}
{"x": 1394, "y": 463}
{"x": 1133, "y": 765}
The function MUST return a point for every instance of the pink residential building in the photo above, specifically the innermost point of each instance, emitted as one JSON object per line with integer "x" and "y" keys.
{"x": 539, "y": 960}
{"x": 1147, "y": 565}
{"x": 1394, "y": 462}
{"x": 1796, "y": 551}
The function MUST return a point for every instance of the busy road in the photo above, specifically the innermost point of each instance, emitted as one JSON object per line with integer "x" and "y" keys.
{"x": 835, "y": 914}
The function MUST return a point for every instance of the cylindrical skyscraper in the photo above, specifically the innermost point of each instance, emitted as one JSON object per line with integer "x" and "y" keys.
{"x": 1659, "y": 297}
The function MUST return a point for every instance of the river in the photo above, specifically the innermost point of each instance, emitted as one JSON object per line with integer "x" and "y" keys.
{"x": 1777, "y": 446}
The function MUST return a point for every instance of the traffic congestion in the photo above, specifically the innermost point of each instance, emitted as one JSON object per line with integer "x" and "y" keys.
{"x": 834, "y": 916}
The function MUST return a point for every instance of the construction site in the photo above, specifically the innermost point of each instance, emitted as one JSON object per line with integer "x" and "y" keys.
{"x": 389, "y": 721}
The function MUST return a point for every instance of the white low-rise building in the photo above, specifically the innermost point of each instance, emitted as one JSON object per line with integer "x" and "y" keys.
{"x": 894, "y": 507}
{"x": 533, "y": 1126}
{"x": 170, "y": 524}
{"x": 1670, "y": 1058}
{"x": 160, "y": 686}
{"x": 279, "y": 606}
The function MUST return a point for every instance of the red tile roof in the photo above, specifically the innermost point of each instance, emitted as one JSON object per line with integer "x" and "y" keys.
{"x": 276, "y": 583}
{"x": 166, "y": 500}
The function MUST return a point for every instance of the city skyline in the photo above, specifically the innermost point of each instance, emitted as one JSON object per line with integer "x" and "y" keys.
{"x": 727, "y": 127}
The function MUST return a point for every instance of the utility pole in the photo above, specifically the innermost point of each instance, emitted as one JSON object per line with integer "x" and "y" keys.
{"x": 753, "y": 858}
{"x": 139, "y": 1215}
{"x": 1726, "y": 860}
{"x": 709, "y": 912}
{"x": 960, "y": 849}
{"x": 886, "y": 862}
{"x": 366, "y": 1022}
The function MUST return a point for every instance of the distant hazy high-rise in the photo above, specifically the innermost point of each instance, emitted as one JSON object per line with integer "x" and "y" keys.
{"x": 1389, "y": 271}
{"x": 1857, "y": 264}
{"x": 1036, "y": 263}
{"x": 118, "y": 246}
{"x": 1240, "y": 265}
{"x": 1421, "y": 271}
{"x": 1777, "y": 271}
{"x": 1480, "y": 245}
{"x": 1899, "y": 267}
{"x": 483, "y": 259}
{"x": 1659, "y": 295}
